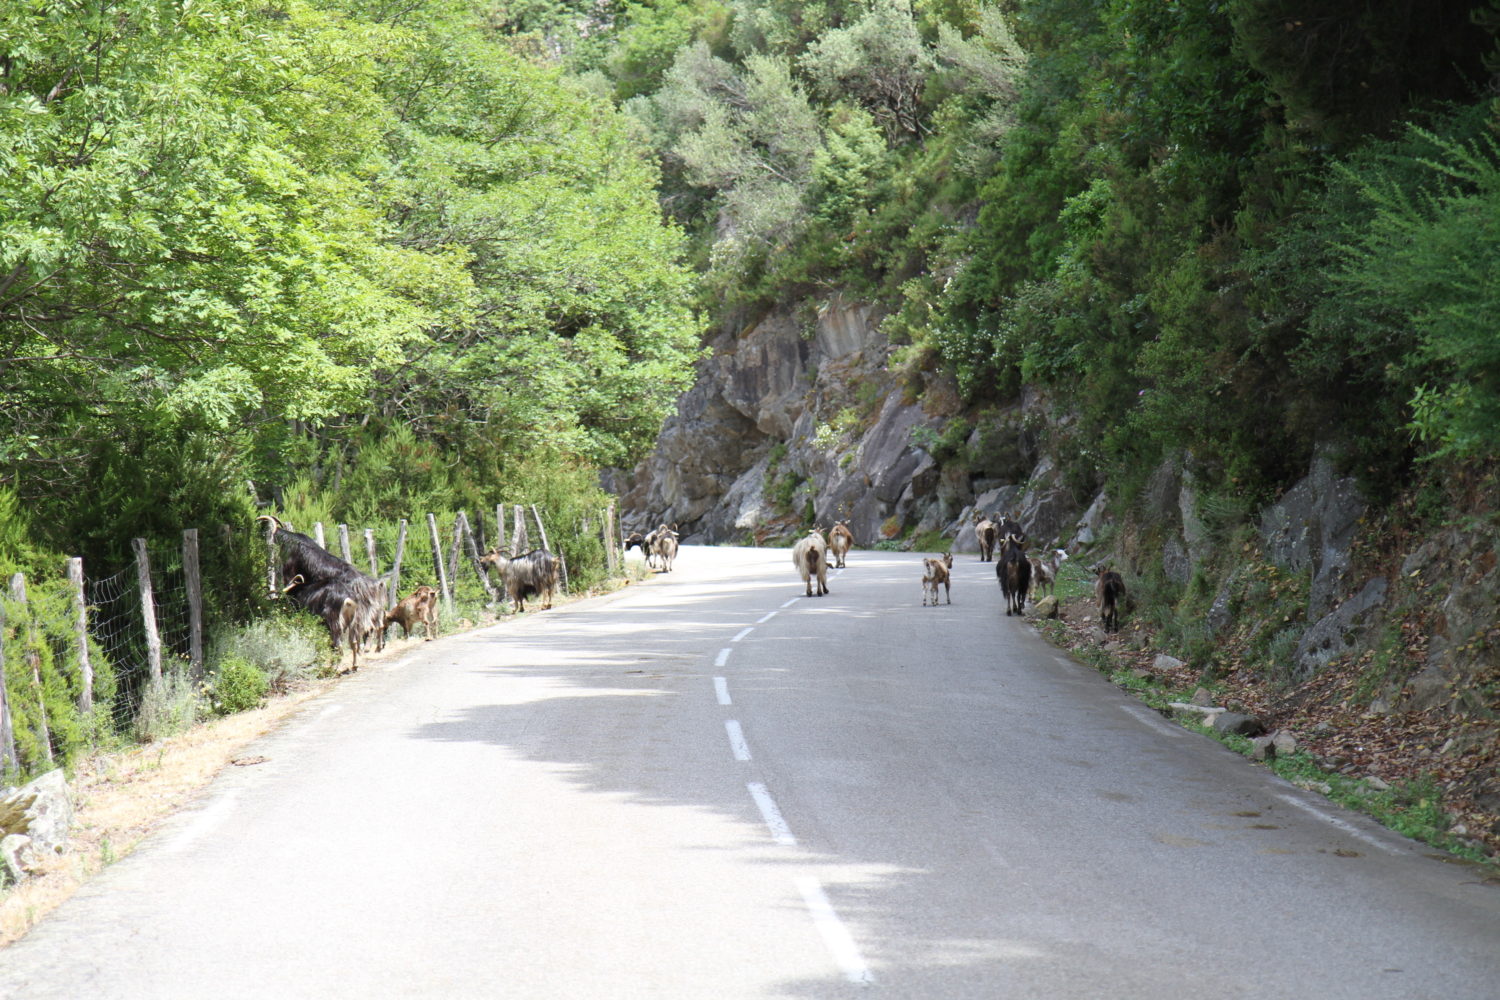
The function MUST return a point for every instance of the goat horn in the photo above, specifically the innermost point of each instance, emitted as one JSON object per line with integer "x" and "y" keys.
{"x": 295, "y": 582}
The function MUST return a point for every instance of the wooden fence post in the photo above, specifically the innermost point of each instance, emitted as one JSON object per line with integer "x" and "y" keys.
{"x": 500, "y": 527}
{"x": 396, "y": 566}
{"x": 273, "y": 565}
{"x": 34, "y": 661}
{"x": 479, "y": 570}
{"x": 561, "y": 560}
{"x": 9, "y": 762}
{"x": 453, "y": 548}
{"x": 344, "y": 549}
{"x": 611, "y": 550}
{"x": 370, "y": 549}
{"x": 437, "y": 560}
{"x": 318, "y": 535}
{"x": 518, "y": 539}
{"x": 81, "y": 634}
{"x": 194, "y": 580}
{"x": 148, "y": 607}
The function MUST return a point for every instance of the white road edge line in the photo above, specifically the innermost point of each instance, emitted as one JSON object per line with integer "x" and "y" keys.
{"x": 791, "y": 602}
{"x": 721, "y": 689}
{"x": 834, "y": 931}
{"x": 722, "y": 658}
{"x": 210, "y": 817}
{"x": 737, "y": 741}
{"x": 767, "y": 618}
{"x": 1348, "y": 828}
{"x": 768, "y": 811}
{"x": 743, "y": 632}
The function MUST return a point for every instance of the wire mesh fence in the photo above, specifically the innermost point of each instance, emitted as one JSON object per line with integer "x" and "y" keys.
{"x": 147, "y": 620}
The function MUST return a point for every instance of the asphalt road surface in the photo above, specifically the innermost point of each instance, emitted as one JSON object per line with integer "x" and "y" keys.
{"x": 710, "y": 787}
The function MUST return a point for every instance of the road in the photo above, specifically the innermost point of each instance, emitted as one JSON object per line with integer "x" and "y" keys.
{"x": 710, "y": 787}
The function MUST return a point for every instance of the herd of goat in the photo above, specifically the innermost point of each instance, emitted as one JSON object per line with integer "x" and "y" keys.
{"x": 1001, "y": 540}
{"x": 353, "y": 605}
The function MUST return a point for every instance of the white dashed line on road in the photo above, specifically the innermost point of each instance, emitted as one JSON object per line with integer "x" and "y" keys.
{"x": 780, "y": 832}
{"x": 835, "y": 933}
{"x": 737, "y": 740}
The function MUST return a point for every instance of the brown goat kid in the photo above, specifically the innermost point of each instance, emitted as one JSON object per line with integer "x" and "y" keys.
{"x": 419, "y": 606}
{"x": 937, "y": 573}
{"x": 1109, "y": 588}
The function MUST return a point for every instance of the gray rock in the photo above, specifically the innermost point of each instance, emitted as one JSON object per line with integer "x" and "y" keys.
{"x": 1237, "y": 723}
{"x": 1285, "y": 743}
{"x": 1201, "y": 714}
{"x": 1312, "y": 528}
{"x": 1088, "y": 527}
{"x": 42, "y": 811}
{"x": 13, "y": 868}
{"x": 1046, "y": 607}
{"x": 1203, "y": 697}
{"x": 1194, "y": 531}
{"x": 1165, "y": 662}
{"x": 1341, "y": 632}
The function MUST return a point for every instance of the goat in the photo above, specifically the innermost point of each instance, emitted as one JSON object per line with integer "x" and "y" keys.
{"x": 988, "y": 532}
{"x": 420, "y": 606}
{"x": 1007, "y": 525}
{"x": 1015, "y": 574}
{"x": 537, "y": 573}
{"x": 635, "y": 538}
{"x": 664, "y": 546}
{"x": 936, "y": 572}
{"x": 351, "y": 604}
{"x": 840, "y": 541}
{"x": 1109, "y": 588}
{"x": 810, "y": 556}
{"x": 1044, "y": 571}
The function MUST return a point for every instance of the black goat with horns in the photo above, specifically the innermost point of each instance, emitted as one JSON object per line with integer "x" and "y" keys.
{"x": 350, "y": 603}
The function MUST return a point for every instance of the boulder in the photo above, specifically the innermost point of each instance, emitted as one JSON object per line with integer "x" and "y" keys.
{"x": 1045, "y": 608}
{"x": 1165, "y": 662}
{"x": 42, "y": 813}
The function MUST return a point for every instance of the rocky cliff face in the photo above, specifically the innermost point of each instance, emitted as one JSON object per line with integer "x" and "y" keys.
{"x": 788, "y": 425}
{"x": 791, "y": 424}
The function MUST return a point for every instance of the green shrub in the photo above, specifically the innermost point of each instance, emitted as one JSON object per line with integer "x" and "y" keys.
{"x": 239, "y": 687}
{"x": 285, "y": 648}
{"x": 169, "y": 706}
